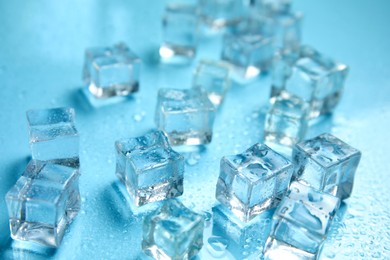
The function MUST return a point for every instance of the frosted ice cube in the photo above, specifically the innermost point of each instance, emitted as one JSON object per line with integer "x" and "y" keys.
{"x": 149, "y": 168}
{"x": 300, "y": 223}
{"x": 173, "y": 232}
{"x": 310, "y": 76}
{"x": 212, "y": 77}
{"x": 185, "y": 115}
{"x": 43, "y": 202}
{"x": 327, "y": 164}
{"x": 53, "y": 135}
{"x": 254, "y": 181}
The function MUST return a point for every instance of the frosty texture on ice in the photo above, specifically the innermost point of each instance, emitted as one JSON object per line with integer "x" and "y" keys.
{"x": 111, "y": 71}
{"x": 43, "y": 202}
{"x": 185, "y": 115}
{"x": 310, "y": 76}
{"x": 286, "y": 121}
{"x": 327, "y": 164}
{"x": 300, "y": 223}
{"x": 53, "y": 135}
{"x": 250, "y": 54}
{"x": 254, "y": 181}
{"x": 180, "y": 33}
{"x": 217, "y": 14}
{"x": 173, "y": 232}
{"x": 212, "y": 77}
{"x": 149, "y": 168}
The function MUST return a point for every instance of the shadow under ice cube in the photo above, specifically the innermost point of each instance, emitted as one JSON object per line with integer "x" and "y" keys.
{"x": 111, "y": 71}
{"x": 212, "y": 77}
{"x": 149, "y": 168}
{"x": 185, "y": 115}
{"x": 327, "y": 164}
{"x": 287, "y": 120}
{"x": 180, "y": 33}
{"x": 43, "y": 202}
{"x": 173, "y": 232}
{"x": 53, "y": 135}
{"x": 254, "y": 181}
{"x": 300, "y": 223}
{"x": 310, "y": 76}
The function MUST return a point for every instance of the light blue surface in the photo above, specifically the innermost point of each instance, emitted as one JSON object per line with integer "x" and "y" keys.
{"x": 41, "y": 57}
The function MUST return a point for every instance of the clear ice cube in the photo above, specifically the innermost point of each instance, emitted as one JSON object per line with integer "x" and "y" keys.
{"x": 327, "y": 164}
{"x": 212, "y": 77}
{"x": 254, "y": 181}
{"x": 272, "y": 6}
{"x": 310, "y": 76}
{"x": 111, "y": 71}
{"x": 300, "y": 223}
{"x": 149, "y": 168}
{"x": 185, "y": 115}
{"x": 172, "y": 232}
{"x": 249, "y": 54}
{"x": 43, "y": 202}
{"x": 287, "y": 34}
{"x": 217, "y": 14}
{"x": 180, "y": 33}
{"x": 287, "y": 120}
{"x": 53, "y": 135}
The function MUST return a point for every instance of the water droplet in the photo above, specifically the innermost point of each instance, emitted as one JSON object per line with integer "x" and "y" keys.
{"x": 217, "y": 246}
{"x": 139, "y": 116}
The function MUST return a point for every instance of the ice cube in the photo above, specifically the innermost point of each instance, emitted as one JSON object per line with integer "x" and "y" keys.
{"x": 212, "y": 77}
{"x": 185, "y": 115}
{"x": 43, "y": 202}
{"x": 53, "y": 135}
{"x": 180, "y": 33}
{"x": 111, "y": 71}
{"x": 311, "y": 76}
{"x": 149, "y": 168}
{"x": 287, "y": 120}
{"x": 173, "y": 232}
{"x": 300, "y": 223}
{"x": 327, "y": 164}
{"x": 217, "y": 14}
{"x": 254, "y": 181}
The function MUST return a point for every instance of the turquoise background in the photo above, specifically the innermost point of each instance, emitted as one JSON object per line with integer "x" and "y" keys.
{"x": 41, "y": 56}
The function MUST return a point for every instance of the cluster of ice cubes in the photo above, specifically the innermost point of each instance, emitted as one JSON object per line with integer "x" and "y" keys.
{"x": 305, "y": 192}
{"x": 46, "y": 198}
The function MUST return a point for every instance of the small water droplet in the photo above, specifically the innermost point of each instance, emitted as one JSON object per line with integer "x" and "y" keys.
{"x": 193, "y": 159}
{"x": 138, "y": 117}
